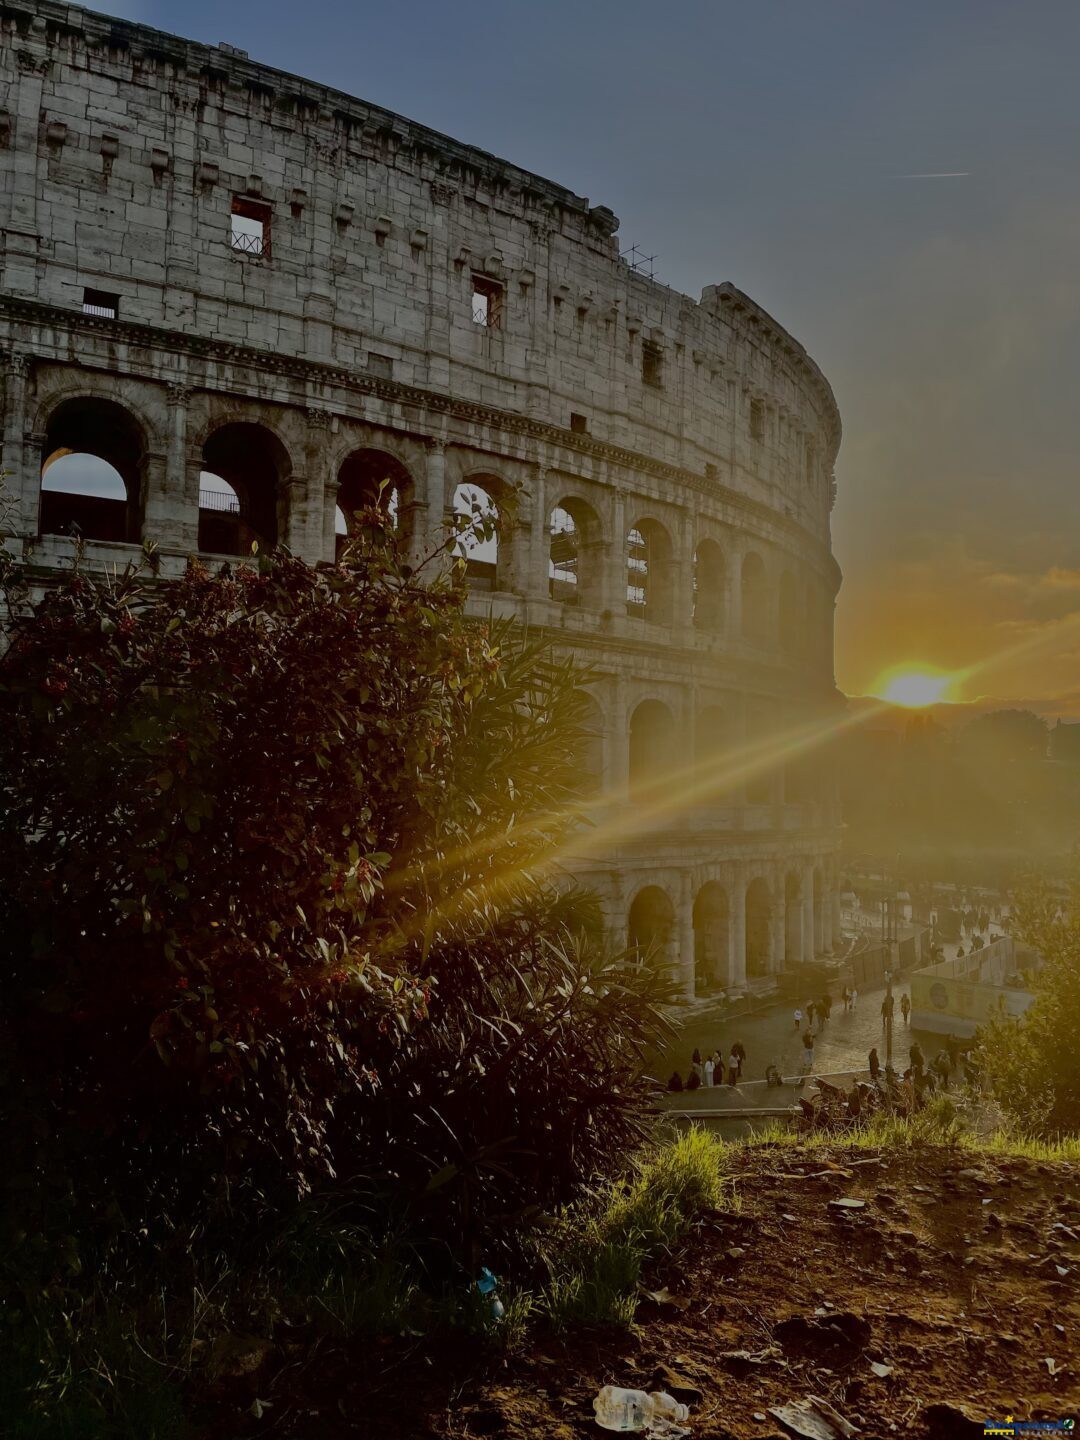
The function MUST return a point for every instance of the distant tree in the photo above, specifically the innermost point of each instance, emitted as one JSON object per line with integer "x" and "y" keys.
{"x": 1005, "y": 735}
{"x": 276, "y": 901}
{"x": 1034, "y": 1064}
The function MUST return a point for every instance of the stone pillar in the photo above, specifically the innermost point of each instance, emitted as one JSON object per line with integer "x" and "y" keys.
{"x": 429, "y": 515}
{"x": 684, "y": 921}
{"x": 614, "y": 598}
{"x": 329, "y": 541}
{"x": 619, "y": 921}
{"x": 536, "y": 583}
{"x": 156, "y": 506}
{"x": 22, "y": 477}
{"x": 776, "y": 929}
{"x": 737, "y": 934}
{"x": 808, "y": 915}
{"x": 307, "y": 527}
{"x": 171, "y": 511}
{"x": 793, "y": 928}
{"x": 683, "y": 579}
{"x": 618, "y": 767}
{"x": 734, "y": 610}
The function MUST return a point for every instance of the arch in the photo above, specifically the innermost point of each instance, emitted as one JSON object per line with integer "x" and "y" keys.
{"x": 709, "y": 587}
{"x": 250, "y": 461}
{"x": 590, "y": 755}
{"x": 793, "y": 919}
{"x": 649, "y": 572}
{"x": 789, "y": 614}
{"x": 370, "y": 479}
{"x": 755, "y": 598}
{"x": 758, "y": 927}
{"x": 712, "y": 740}
{"x": 92, "y": 466}
{"x": 573, "y": 527}
{"x": 479, "y": 520}
{"x": 712, "y": 934}
{"x": 652, "y": 745}
{"x": 651, "y": 928}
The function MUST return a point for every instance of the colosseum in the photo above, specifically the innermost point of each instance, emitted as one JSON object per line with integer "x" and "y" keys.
{"x": 235, "y": 303}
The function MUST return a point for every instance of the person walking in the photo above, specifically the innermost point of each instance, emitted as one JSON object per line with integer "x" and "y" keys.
{"x": 905, "y": 1007}
{"x": 709, "y": 1068}
{"x": 808, "y": 1050}
{"x": 811, "y": 1011}
{"x": 733, "y": 1070}
{"x": 846, "y": 997}
{"x": 696, "y": 1066}
{"x": 886, "y": 1012}
{"x": 854, "y": 997}
{"x": 915, "y": 1055}
{"x": 875, "y": 1064}
{"x": 825, "y": 1007}
{"x": 739, "y": 1051}
{"x": 798, "y": 1018}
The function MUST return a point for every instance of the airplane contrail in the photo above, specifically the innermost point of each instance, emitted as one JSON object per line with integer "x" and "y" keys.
{"x": 934, "y": 175}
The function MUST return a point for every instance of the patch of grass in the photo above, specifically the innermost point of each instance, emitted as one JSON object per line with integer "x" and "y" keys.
{"x": 597, "y": 1253}
{"x": 941, "y": 1122}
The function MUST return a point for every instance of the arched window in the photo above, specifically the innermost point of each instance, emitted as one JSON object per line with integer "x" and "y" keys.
{"x": 712, "y": 745}
{"x": 649, "y": 572}
{"x": 755, "y": 599}
{"x": 591, "y": 749}
{"x": 563, "y": 557}
{"x": 246, "y": 461}
{"x": 652, "y": 745}
{"x": 370, "y": 480}
{"x": 758, "y": 928}
{"x": 91, "y": 472}
{"x": 709, "y": 587}
{"x": 651, "y": 927}
{"x": 789, "y": 614}
{"x": 477, "y": 519}
{"x": 712, "y": 920}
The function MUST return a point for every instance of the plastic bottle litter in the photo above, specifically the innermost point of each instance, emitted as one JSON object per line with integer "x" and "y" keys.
{"x": 488, "y": 1286}
{"x": 618, "y": 1409}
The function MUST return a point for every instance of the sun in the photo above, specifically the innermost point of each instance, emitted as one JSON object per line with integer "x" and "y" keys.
{"x": 914, "y": 688}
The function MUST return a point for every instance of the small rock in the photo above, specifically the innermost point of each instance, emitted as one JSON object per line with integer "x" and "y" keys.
{"x": 683, "y": 1389}
{"x": 880, "y": 1370}
{"x": 847, "y": 1202}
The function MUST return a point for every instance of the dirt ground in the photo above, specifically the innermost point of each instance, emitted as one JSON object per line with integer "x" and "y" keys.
{"x": 950, "y": 1296}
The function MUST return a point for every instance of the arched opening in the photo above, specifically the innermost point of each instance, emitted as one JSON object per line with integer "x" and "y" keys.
{"x": 758, "y": 928}
{"x": 572, "y": 529}
{"x": 709, "y": 587}
{"x": 789, "y": 614}
{"x": 819, "y": 919}
{"x": 651, "y": 928}
{"x": 241, "y": 489}
{"x": 478, "y": 521}
{"x": 793, "y": 920}
{"x": 652, "y": 745}
{"x": 91, "y": 472}
{"x": 369, "y": 480}
{"x": 712, "y": 744}
{"x": 649, "y": 572}
{"x": 590, "y": 755}
{"x": 755, "y": 599}
{"x": 760, "y": 781}
{"x": 712, "y": 920}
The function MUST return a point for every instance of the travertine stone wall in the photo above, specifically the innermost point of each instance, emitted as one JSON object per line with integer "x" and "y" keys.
{"x": 122, "y": 153}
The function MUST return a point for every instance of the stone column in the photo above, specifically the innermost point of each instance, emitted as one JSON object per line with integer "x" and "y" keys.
{"x": 684, "y": 921}
{"x": 683, "y": 579}
{"x": 429, "y": 515}
{"x": 613, "y": 597}
{"x": 171, "y": 514}
{"x": 618, "y": 767}
{"x": 793, "y": 928}
{"x": 328, "y": 545}
{"x": 536, "y": 584}
{"x": 157, "y": 507}
{"x": 776, "y": 928}
{"x": 808, "y": 915}
{"x": 737, "y": 934}
{"x": 617, "y": 929}
{"x": 22, "y": 477}
{"x": 312, "y": 494}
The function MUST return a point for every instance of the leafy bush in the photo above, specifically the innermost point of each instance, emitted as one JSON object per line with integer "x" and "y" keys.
{"x": 1034, "y": 1064}
{"x": 275, "y": 907}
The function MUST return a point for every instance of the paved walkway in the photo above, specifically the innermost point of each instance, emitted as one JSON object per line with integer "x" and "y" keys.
{"x": 842, "y": 1045}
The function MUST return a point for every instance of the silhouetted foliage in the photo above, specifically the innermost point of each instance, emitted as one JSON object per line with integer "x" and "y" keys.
{"x": 275, "y": 904}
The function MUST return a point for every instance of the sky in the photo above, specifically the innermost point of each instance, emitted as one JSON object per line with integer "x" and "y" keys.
{"x": 896, "y": 181}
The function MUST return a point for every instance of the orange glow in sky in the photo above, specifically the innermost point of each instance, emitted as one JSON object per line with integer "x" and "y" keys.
{"x": 914, "y": 687}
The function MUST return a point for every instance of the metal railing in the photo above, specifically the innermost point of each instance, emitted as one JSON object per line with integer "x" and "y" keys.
{"x": 248, "y": 244}
{"x": 219, "y": 500}
{"x": 104, "y": 312}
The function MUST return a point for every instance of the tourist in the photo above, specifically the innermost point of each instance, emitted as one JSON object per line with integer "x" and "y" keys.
{"x": 709, "y": 1068}
{"x": 905, "y": 1007}
{"x": 798, "y": 1018}
{"x": 811, "y": 1010}
{"x": 808, "y": 1050}
{"x": 943, "y": 1067}
{"x": 846, "y": 996}
{"x": 695, "y": 1064}
{"x": 854, "y": 996}
{"x": 915, "y": 1055}
{"x": 739, "y": 1051}
{"x": 675, "y": 1083}
{"x": 875, "y": 1064}
{"x": 825, "y": 1007}
{"x": 693, "y": 1081}
{"x": 886, "y": 1011}
{"x": 959, "y": 952}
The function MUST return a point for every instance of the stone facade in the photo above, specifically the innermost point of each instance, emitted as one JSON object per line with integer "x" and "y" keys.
{"x": 214, "y": 268}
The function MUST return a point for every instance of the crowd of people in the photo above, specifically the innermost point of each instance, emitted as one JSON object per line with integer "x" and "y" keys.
{"x": 713, "y": 1070}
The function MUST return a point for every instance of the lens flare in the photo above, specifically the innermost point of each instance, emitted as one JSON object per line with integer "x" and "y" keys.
{"x": 914, "y": 688}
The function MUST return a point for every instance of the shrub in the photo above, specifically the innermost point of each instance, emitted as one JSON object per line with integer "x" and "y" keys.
{"x": 275, "y": 908}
